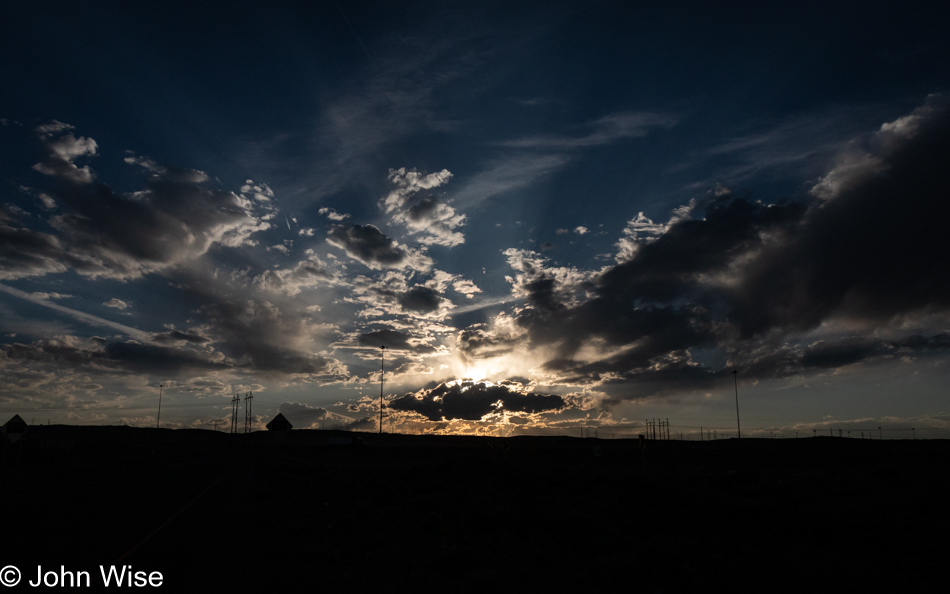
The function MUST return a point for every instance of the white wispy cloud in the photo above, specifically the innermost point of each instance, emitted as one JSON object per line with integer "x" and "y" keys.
{"x": 505, "y": 175}
{"x": 63, "y": 150}
{"x": 306, "y": 274}
{"x": 424, "y": 214}
{"x": 331, "y": 214}
{"x": 605, "y": 130}
{"x": 117, "y": 304}
{"x": 804, "y": 145}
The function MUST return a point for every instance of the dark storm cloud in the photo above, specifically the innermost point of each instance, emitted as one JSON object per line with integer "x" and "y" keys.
{"x": 261, "y": 337}
{"x": 51, "y": 351}
{"x": 128, "y": 356}
{"x": 175, "y": 218}
{"x": 918, "y": 343}
{"x": 420, "y": 299}
{"x": 393, "y": 340}
{"x": 875, "y": 248}
{"x": 845, "y": 351}
{"x": 477, "y": 341}
{"x": 541, "y": 295}
{"x": 366, "y": 243}
{"x": 650, "y": 369}
{"x": 471, "y": 401}
{"x": 631, "y": 376}
{"x": 867, "y": 245}
{"x": 838, "y": 355}
{"x": 136, "y": 357}
{"x": 423, "y": 210}
{"x": 390, "y": 294}
{"x": 668, "y": 268}
{"x": 146, "y": 358}
{"x": 646, "y": 302}
{"x": 168, "y": 223}
{"x": 373, "y": 248}
{"x": 362, "y": 424}
{"x": 28, "y": 253}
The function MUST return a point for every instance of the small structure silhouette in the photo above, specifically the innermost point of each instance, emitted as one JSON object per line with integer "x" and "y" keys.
{"x": 14, "y": 428}
{"x": 279, "y": 423}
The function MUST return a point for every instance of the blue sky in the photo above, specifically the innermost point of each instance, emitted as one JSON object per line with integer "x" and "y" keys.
{"x": 600, "y": 210}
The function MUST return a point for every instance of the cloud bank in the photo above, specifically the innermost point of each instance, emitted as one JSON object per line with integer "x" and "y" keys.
{"x": 770, "y": 289}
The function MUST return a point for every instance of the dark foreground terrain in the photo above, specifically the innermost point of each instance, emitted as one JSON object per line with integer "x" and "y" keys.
{"x": 215, "y": 512}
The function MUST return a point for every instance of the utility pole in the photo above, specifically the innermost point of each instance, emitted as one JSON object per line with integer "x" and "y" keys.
{"x": 735, "y": 381}
{"x": 235, "y": 404}
{"x": 664, "y": 429}
{"x": 247, "y": 412}
{"x": 382, "y": 375}
{"x": 158, "y": 422}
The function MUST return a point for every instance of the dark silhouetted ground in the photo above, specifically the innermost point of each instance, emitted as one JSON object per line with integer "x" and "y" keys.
{"x": 293, "y": 514}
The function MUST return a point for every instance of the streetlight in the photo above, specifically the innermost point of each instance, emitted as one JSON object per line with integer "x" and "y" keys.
{"x": 382, "y": 373}
{"x": 735, "y": 374}
{"x": 158, "y": 422}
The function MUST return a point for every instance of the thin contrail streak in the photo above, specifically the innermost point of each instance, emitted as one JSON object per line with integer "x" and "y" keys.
{"x": 356, "y": 35}
{"x": 82, "y": 316}
{"x": 483, "y": 305}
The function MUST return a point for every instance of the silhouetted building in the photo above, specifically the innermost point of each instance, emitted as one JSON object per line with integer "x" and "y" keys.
{"x": 279, "y": 423}
{"x": 14, "y": 428}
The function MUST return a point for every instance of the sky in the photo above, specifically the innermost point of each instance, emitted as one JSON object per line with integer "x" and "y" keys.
{"x": 558, "y": 217}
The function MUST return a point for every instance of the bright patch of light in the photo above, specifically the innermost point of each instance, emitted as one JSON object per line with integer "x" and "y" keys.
{"x": 476, "y": 373}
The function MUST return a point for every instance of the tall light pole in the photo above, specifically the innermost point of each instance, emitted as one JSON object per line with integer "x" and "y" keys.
{"x": 382, "y": 373}
{"x": 735, "y": 381}
{"x": 158, "y": 422}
